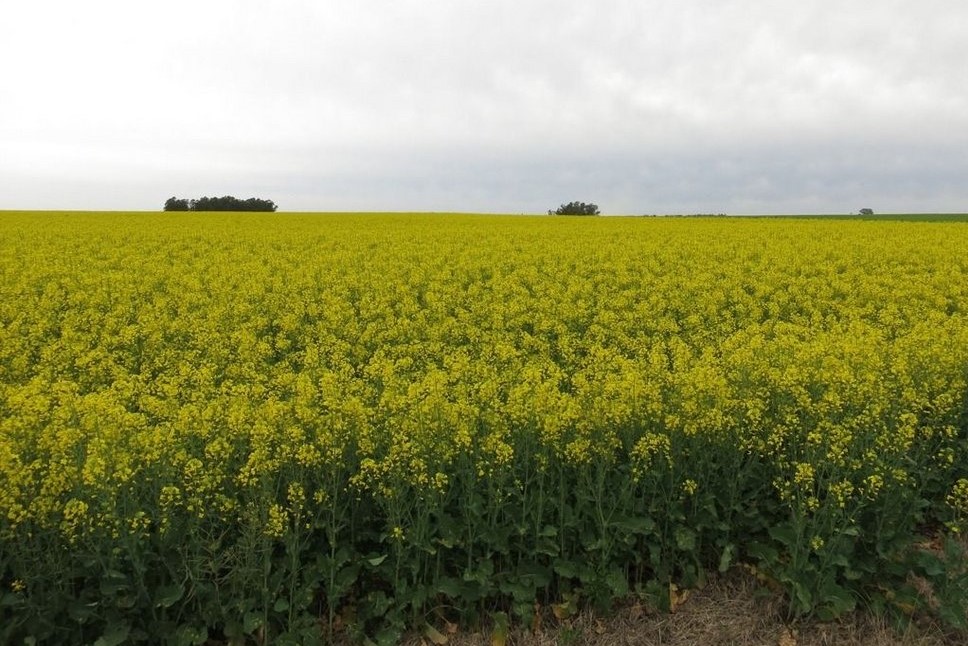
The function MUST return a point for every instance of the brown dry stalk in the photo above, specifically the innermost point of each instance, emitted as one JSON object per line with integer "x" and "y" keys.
{"x": 731, "y": 611}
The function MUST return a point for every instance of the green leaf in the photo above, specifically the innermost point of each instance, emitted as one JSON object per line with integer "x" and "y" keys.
{"x": 838, "y": 599}
{"x": 115, "y": 634}
{"x": 233, "y": 630}
{"x": 281, "y": 605}
{"x": 251, "y": 622}
{"x": 188, "y": 635}
{"x": 377, "y": 560}
{"x": 953, "y": 614}
{"x": 617, "y": 582}
{"x": 482, "y": 573}
{"x": 450, "y": 587}
{"x": 345, "y": 579}
{"x": 80, "y": 611}
{"x": 685, "y": 539}
{"x": 566, "y": 569}
{"x": 126, "y": 601}
{"x": 726, "y": 558}
{"x": 342, "y": 556}
{"x": 930, "y": 564}
{"x": 953, "y": 549}
{"x": 657, "y": 594}
{"x": 636, "y": 524}
{"x": 784, "y": 534}
{"x": 168, "y": 595}
{"x": 517, "y": 589}
{"x": 378, "y": 603}
{"x": 111, "y": 585}
{"x": 537, "y": 575}
{"x": 388, "y": 636}
{"x": 764, "y": 553}
{"x": 852, "y": 575}
{"x": 802, "y": 597}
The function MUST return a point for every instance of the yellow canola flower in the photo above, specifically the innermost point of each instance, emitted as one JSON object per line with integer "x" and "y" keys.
{"x": 957, "y": 499}
{"x": 233, "y": 363}
{"x": 690, "y": 486}
{"x": 76, "y": 519}
{"x": 842, "y": 492}
{"x": 872, "y": 485}
{"x": 296, "y": 497}
{"x": 804, "y": 475}
{"x": 276, "y": 522}
{"x": 650, "y": 447}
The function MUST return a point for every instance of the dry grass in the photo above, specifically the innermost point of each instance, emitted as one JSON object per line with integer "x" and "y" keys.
{"x": 729, "y": 611}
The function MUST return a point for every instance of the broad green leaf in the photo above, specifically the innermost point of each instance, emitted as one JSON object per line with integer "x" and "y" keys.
{"x": 377, "y": 560}
{"x": 726, "y": 558}
{"x": 784, "y": 534}
{"x": 617, "y": 583}
{"x": 169, "y": 595}
{"x": 685, "y": 539}
{"x": 115, "y": 634}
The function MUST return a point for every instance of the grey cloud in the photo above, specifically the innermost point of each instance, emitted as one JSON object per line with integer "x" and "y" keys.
{"x": 723, "y": 105}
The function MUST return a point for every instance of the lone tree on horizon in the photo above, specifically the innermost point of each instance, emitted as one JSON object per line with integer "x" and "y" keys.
{"x": 576, "y": 208}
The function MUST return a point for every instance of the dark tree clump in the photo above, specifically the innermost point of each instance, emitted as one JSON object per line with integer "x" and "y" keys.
{"x": 576, "y": 208}
{"x": 225, "y": 203}
{"x": 175, "y": 204}
{"x": 867, "y": 211}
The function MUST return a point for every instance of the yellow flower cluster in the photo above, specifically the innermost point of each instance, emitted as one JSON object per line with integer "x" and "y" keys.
{"x": 155, "y": 367}
{"x": 957, "y": 499}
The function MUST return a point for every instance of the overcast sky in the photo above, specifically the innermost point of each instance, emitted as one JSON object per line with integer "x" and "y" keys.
{"x": 735, "y": 106}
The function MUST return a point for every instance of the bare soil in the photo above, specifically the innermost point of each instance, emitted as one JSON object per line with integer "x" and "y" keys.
{"x": 733, "y": 610}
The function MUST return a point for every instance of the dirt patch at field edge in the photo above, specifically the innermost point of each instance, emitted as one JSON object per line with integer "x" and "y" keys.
{"x": 730, "y": 611}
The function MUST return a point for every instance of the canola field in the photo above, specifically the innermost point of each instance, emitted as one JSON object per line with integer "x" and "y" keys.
{"x": 296, "y": 428}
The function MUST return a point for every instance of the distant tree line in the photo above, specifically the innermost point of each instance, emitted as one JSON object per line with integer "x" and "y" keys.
{"x": 575, "y": 208}
{"x": 224, "y": 203}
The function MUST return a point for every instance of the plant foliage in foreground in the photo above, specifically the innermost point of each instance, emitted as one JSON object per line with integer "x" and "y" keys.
{"x": 232, "y": 428}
